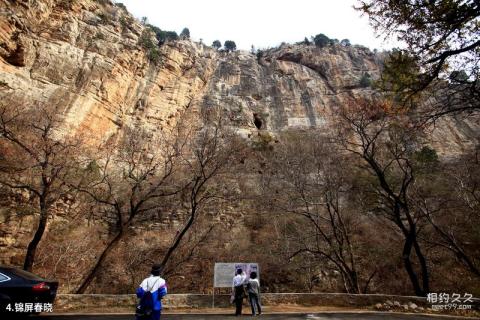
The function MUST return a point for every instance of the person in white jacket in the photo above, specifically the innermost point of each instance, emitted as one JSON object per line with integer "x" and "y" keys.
{"x": 157, "y": 286}
{"x": 238, "y": 290}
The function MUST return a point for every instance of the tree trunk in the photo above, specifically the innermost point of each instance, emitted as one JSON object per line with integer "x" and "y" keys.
{"x": 98, "y": 264}
{"x": 468, "y": 262}
{"x": 367, "y": 283}
{"x": 179, "y": 237}
{"x": 32, "y": 246}
{"x": 407, "y": 250}
{"x": 423, "y": 267}
{"x": 354, "y": 280}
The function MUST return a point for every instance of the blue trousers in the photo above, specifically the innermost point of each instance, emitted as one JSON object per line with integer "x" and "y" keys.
{"x": 155, "y": 315}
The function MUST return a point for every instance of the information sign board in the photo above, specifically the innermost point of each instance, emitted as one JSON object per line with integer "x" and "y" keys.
{"x": 224, "y": 273}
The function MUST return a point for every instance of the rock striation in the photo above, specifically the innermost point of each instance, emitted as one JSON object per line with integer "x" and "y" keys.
{"x": 79, "y": 56}
{"x": 84, "y": 56}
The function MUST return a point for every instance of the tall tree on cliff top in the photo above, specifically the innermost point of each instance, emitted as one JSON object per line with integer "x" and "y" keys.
{"x": 442, "y": 37}
{"x": 230, "y": 45}
{"x": 185, "y": 34}
{"x": 216, "y": 44}
{"x": 37, "y": 160}
{"x": 321, "y": 40}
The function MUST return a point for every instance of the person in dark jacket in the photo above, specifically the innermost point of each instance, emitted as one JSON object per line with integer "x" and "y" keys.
{"x": 253, "y": 288}
{"x": 158, "y": 289}
{"x": 238, "y": 291}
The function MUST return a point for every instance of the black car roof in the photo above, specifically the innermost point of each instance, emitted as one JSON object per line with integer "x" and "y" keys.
{"x": 20, "y": 273}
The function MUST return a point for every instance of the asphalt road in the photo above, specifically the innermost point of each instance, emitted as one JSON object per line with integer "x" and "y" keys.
{"x": 316, "y": 316}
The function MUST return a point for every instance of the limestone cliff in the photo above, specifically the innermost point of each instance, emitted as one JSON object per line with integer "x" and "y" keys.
{"x": 84, "y": 56}
{"x": 79, "y": 55}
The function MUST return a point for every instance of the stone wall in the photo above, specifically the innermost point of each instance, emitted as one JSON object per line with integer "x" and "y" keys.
{"x": 105, "y": 303}
{"x": 84, "y": 59}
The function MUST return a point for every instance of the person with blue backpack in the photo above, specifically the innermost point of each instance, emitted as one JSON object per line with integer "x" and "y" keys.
{"x": 151, "y": 292}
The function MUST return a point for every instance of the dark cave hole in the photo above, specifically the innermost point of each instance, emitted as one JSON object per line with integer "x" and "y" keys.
{"x": 257, "y": 121}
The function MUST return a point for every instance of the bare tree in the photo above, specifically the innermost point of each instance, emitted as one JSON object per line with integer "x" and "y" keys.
{"x": 308, "y": 180}
{"x": 36, "y": 159}
{"x": 133, "y": 183}
{"x": 64, "y": 252}
{"x": 442, "y": 41}
{"x": 128, "y": 182}
{"x": 212, "y": 154}
{"x": 385, "y": 144}
{"x": 447, "y": 195}
{"x": 188, "y": 250}
{"x": 467, "y": 179}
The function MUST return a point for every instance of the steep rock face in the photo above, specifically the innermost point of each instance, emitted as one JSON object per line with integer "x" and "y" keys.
{"x": 84, "y": 56}
{"x": 289, "y": 87}
{"x": 86, "y": 61}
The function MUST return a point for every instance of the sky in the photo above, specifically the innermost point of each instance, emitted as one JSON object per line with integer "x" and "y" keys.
{"x": 262, "y": 23}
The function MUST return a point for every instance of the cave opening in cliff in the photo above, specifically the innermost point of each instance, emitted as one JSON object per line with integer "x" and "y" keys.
{"x": 257, "y": 121}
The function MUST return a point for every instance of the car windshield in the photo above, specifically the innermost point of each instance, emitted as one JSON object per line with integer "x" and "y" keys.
{"x": 24, "y": 274}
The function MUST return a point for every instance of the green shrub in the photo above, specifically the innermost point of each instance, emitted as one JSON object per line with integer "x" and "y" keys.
{"x": 105, "y": 18}
{"x": 153, "y": 55}
{"x": 126, "y": 22}
{"x": 99, "y": 36}
{"x": 145, "y": 40}
{"x": 459, "y": 76}
{"x": 425, "y": 161}
{"x": 163, "y": 36}
{"x": 426, "y": 156}
{"x": 345, "y": 43}
{"x": 121, "y": 6}
{"x": 185, "y": 34}
{"x": 321, "y": 40}
{"x": 171, "y": 36}
{"x": 230, "y": 45}
{"x": 365, "y": 81}
{"x": 217, "y": 44}
{"x": 260, "y": 54}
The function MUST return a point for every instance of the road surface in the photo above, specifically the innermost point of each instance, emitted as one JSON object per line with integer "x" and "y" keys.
{"x": 316, "y": 316}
